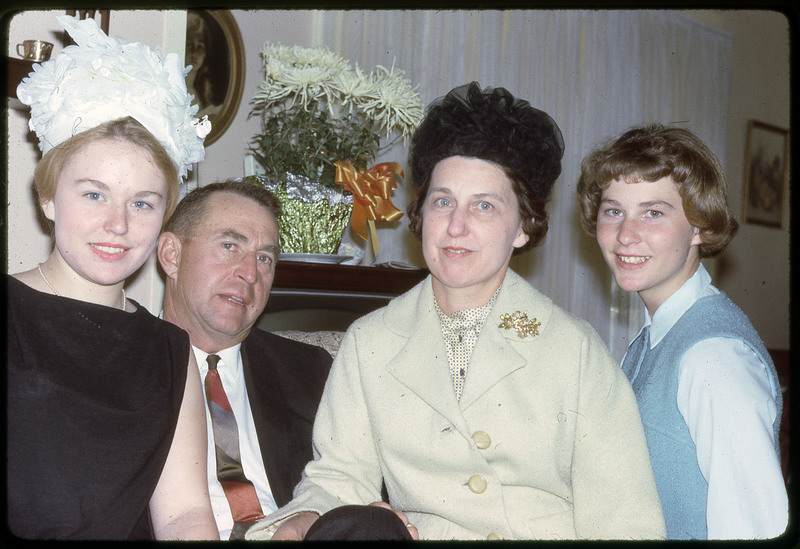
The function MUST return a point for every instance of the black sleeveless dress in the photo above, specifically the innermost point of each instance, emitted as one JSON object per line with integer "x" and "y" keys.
{"x": 93, "y": 395}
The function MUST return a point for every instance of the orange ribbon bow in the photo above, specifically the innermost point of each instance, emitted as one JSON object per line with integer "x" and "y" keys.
{"x": 372, "y": 191}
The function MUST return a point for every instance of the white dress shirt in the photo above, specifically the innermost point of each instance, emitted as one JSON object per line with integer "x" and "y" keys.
{"x": 725, "y": 399}
{"x": 232, "y": 375}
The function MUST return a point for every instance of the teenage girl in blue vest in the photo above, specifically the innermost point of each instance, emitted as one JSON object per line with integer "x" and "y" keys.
{"x": 708, "y": 392}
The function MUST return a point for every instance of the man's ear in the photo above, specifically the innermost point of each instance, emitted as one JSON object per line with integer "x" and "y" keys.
{"x": 169, "y": 253}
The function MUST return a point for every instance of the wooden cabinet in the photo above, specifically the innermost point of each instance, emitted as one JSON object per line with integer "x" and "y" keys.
{"x": 317, "y": 296}
{"x": 320, "y": 277}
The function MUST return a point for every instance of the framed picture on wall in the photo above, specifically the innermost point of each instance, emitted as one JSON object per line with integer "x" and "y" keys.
{"x": 214, "y": 50}
{"x": 766, "y": 174}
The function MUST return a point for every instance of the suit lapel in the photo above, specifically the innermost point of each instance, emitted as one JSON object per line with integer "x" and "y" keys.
{"x": 499, "y": 351}
{"x": 271, "y": 422}
{"x": 422, "y": 365}
{"x": 493, "y": 359}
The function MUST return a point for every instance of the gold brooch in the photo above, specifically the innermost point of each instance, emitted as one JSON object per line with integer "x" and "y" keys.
{"x": 521, "y": 324}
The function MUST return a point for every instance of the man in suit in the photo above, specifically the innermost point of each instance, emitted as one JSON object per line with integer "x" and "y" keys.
{"x": 219, "y": 252}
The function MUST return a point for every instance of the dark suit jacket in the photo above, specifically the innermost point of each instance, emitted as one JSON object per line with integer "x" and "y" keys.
{"x": 284, "y": 380}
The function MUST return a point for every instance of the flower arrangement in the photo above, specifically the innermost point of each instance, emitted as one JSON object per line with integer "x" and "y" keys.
{"x": 323, "y": 123}
{"x": 316, "y": 109}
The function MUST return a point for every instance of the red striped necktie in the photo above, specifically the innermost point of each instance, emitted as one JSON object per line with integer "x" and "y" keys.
{"x": 240, "y": 492}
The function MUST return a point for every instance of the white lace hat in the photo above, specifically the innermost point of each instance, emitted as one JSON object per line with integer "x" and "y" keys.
{"x": 101, "y": 79}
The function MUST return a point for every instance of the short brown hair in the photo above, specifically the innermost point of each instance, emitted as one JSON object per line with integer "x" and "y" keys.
{"x": 192, "y": 207}
{"x": 124, "y": 129}
{"x": 650, "y": 153}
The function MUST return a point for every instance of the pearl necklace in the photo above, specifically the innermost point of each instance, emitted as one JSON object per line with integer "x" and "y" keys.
{"x": 39, "y": 266}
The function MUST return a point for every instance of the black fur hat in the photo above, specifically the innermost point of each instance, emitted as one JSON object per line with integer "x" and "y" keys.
{"x": 491, "y": 125}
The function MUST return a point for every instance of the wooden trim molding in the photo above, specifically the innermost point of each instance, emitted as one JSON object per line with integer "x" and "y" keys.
{"x": 781, "y": 359}
{"x": 17, "y": 70}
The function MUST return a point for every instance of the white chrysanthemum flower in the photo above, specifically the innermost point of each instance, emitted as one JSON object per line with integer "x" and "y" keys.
{"x": 355, "y": 86}
{"x": 101, "y": 79}
{"x": 300, "y": 74}
{"x": 311, "y": 83}
{"x": 396, "y": 105}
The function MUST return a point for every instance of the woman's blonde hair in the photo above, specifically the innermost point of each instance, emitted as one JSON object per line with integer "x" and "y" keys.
{"x": 124, "y": 129}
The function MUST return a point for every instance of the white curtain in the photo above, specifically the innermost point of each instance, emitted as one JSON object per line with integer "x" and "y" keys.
{"x": 595, "y": 72}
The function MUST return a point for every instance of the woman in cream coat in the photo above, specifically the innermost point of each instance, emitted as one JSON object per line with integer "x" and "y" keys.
{"x": 519, "y": 425}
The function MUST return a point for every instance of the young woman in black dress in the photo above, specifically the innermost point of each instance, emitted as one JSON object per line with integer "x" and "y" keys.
{"x": 106, "y": 432}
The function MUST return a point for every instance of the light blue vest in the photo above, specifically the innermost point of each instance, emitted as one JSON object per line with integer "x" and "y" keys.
{"x": 681, "y": 486}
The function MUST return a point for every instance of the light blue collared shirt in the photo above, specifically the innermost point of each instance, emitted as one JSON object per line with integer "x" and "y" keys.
{"x": 725, "y": 399}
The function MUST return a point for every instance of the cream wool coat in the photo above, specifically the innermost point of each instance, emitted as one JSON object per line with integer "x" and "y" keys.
{"x": 562, "y": 452}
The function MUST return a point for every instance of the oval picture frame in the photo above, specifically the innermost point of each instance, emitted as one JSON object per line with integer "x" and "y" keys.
{"x": 215, "y": 49}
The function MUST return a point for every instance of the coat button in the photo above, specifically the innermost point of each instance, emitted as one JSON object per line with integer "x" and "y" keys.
{"x": 477, "y": 484}
{"x": 494, "y": 535}
{"x": 482, "y": 439}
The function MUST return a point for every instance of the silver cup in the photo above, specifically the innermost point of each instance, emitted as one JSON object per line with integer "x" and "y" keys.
{"x": 35, "y": 50}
